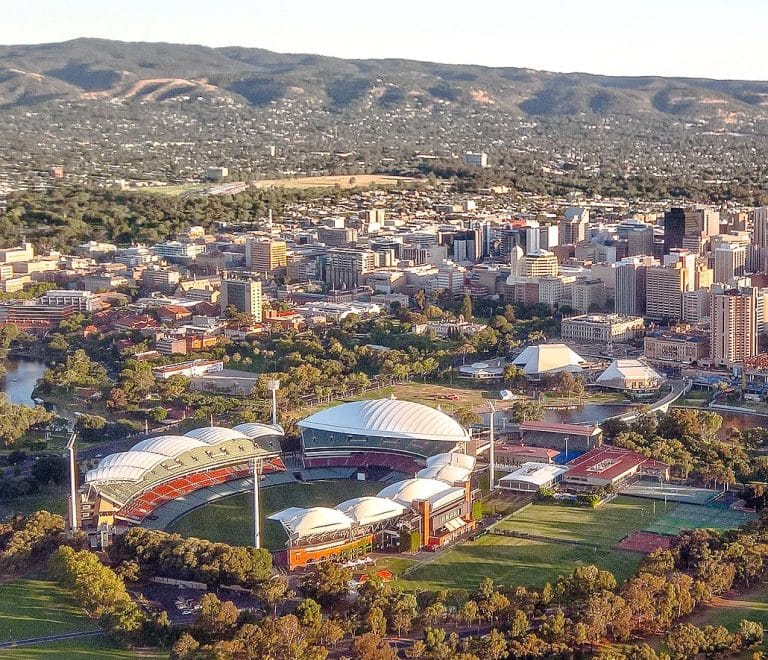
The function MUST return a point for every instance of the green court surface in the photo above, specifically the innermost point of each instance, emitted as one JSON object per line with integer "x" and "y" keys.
{"x": 689, "y": 516}
{"x": 512, "y": 562}
{"x": 671, "y": 493}
{"x": 604, "y": 526}
{"x": 36, "y": 608}
{"x": 230, "y": 520}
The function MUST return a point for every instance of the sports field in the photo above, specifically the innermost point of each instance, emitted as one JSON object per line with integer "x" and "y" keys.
{"x": 603, "y": 527}
{"x": 672, "y": 493}
{"x": 93, "y": 648}
{"x": 689, "y": 516}
{"x": 343, "y": 181}
{"x": 511, "y": 562}
{"x": 230, "y": 520}
{"x": 36, "y": 608}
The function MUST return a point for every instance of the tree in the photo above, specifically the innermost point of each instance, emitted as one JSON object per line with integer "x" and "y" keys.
{"x": 274, "y": 591}
{"x": 513, "y": 375}
{"x": 685, "y": 640}
{"x": 372, "y": 647}
{"x": 466, "y": 307}
{"x": 494, "y": 646}
{"x": 185, "y": 647}
{"x": 309, "y": 613}
{"x": 466, "y": 416}
{"x": 50, "y": 469}
{"x": 469, "y": 612}
{"x": 216, "y": 618}
{"x": 376, "y": 622}
{"x": 750, "y": 632}
{"x": 327, "y": 583}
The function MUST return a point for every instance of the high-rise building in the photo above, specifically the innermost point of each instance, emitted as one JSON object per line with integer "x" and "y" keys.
{"x": 674, "y": 229}
{"x": 532, "y": 237}
{"x": 702, "y": 221}
{"x": 573, "y": 227}
{"x": 589, "y": 295}
{"x": 733, "y": 326}
{"x": 539, "y": 264}
{"x": 345, "y": 268}
{"x": 730, "y": 262}
{"x": 664, "y": 286}
{"x": 549, "y": 236}
{"x": 243, "y": 295}
{"x": 630, "y": 286}
{"x": 760, "y": 227}
{"x": 640, "y": 241}
{"x": 265, "y": 255}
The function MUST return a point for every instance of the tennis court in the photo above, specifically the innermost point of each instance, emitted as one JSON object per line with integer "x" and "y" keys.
{"x": 690, "y": 516}
{"x": 671, "y": 493}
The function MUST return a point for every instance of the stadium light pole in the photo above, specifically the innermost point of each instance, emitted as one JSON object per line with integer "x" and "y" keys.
{"x": 492, "y": 452}
{"x": 273, "y": 386}
{"x": 257, "y": 467}
{"x": 72, "y": 483}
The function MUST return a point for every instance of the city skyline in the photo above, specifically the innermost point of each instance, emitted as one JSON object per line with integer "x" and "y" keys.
{"x": 672, "y": 39}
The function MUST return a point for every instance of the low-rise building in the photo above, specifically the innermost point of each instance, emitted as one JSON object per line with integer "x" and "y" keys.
{"x": 674, "y": 348}
{"x": 532, "y": 477}
{"x": 188, "y": 369}
{"x": 602, "y": 328}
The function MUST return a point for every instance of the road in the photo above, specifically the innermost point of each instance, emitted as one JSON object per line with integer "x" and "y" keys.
{"x": 51, "y": 638}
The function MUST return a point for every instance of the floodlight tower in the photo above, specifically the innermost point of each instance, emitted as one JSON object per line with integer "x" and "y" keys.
{"x": 72, "y": 483}
{"x": 492, "y": 452}
{"x": 257, "y": 468}
{"x": 273, "y": 386}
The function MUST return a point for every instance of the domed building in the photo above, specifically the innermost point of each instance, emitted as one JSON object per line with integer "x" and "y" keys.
{"x": 388, "y": 426}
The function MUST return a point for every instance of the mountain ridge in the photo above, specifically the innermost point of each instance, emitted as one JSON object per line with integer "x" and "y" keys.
{"x": 88, "y": 69}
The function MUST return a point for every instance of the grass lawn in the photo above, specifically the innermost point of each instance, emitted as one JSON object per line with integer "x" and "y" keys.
{"x": 512, "y": 562}
{"x": 604, "y": 526}
{"x": 35, "y": 608}
{"x": 331, "y": 181}
{"x": 54, "y": 502}
{"x": 91, "y": 648}
{"x": 751, "y": 605}
{"x": 230, "y": 520}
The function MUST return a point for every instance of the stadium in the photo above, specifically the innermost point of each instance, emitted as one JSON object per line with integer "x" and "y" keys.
{"x": 125, "y": 487}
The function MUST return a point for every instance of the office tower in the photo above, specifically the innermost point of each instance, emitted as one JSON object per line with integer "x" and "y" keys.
{"x": 664, "y": 286}
{"x": 696, "y": 306}
{"x": 760, "y": 227}
{"x": 733, "y": 326}
{"x": 243, "y": 295}
{"x": 639, "y": 241}
{"x": 573, "y": 227}
{"x": 703, "y": 221}
{"x": 674, "y": 229}
{"x": 730, "y": 262}
{"x": 532, "y": 238}
{"x": 589, "y": 295}
{"x": 265, "y": 255}
{"x": 549, "y": 237}
{"x": 630, "y": 288}
{"x": 336, "y": 236}
{"x": 539, "y": 264}
{"x": 516, "y": 260}
{"x": 345, "y": 268}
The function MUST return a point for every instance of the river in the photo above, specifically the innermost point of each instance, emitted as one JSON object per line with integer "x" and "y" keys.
{"x": 20, "y": 380}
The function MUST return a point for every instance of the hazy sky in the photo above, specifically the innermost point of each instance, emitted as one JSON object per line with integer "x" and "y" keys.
{"x": 712, "y": 38}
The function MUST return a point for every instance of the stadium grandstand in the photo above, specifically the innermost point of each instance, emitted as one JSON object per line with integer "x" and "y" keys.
{"x": 382, "y": 433}
{"x": 437, "y": 510}
{"x": 126, "y": 487}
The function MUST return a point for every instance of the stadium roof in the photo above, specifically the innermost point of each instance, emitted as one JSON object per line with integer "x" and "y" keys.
{"x": 213, "y": 435}
{"x": 536, "y": 474}
{"x": 389, "y": 418}
{"x": 300, "y": 523}
{"x": 140, "y": 459}
{"x": 408, "y": 491}
{"x": 256, "y": 430}
{"x": 168, "y": 445}
{"x": 548, "y": 358}
{"x": 450, "y": 474}
{"x": 626, "y": 373}
{"x": 452, "y": 458}
{"x": 115, "y": 473}
{"x": 369, "y": 510}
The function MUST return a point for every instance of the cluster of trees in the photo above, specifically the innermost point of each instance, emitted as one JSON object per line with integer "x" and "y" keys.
{"x": 145, "y": 553}
{"x": 17, "y": 419}
{"x": 28, "y": 539}
{"x": 687, "y": 440}
{"x": 102, "y": 593}
{"x": 77, "y": 370}
{"x": 47, "y": 470}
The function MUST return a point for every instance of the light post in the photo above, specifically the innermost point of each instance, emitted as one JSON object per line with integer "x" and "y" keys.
{"x": 492, "y": 451}
{"x": 257, "y": 467}
{"x": 273, "y": 386}
{"x": 72, "y": 484}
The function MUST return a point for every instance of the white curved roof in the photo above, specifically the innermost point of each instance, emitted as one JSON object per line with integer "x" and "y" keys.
{"x": 141, "y": 459}
{"x": 453, "y": 458}
{"x": 548, "y": 358}
{"x": 308, "y": 522}
{"x": 213, "y": 435}
{"x": 256, "y": 430}
{"x": 115, "y": 473}
{"x": 388, "y": 418}
{"x": 450, "y": 474}
{"x": 621, "y": 371}
{"x": 407, "y": 491}
{"x": 168, "y": 445}
{"x": 368, "y": 510}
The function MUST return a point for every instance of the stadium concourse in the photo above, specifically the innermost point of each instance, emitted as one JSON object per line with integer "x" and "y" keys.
{"x": 124, "y": 488}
